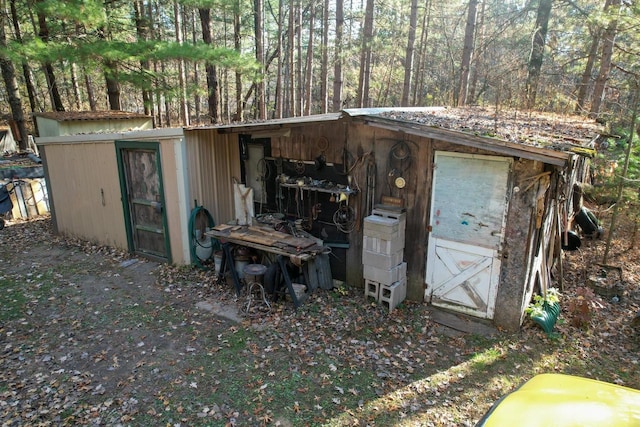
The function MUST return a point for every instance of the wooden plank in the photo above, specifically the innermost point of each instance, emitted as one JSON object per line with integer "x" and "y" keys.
{"x": 254, "y": 238}
{"x": 298, "y": 242}
{"x": 223, "y": 227}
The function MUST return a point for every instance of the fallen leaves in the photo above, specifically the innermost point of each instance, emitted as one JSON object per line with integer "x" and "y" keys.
{"x": 96, "y": 341}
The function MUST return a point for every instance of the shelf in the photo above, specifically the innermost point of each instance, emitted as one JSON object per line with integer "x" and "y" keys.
{"x": 331, "y": 190}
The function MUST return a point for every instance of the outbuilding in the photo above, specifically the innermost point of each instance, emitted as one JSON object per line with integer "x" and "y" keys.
{"x": 484, "y": 195}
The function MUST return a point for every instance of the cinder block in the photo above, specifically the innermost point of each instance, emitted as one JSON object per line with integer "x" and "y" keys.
{"x": 371, "y": 289}
{"x": 383, "y": 246}
{"x": 400, "y": 216}
{"x": 385, "y": 276}
{"x": 379, "y": 260}
{"x": 392, "y": 295}
{"x": 380, "y": 227}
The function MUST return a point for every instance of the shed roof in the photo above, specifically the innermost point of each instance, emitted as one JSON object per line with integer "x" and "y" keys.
{"x": 66, "y": 116}
{"x": 548, "y": 138}
{"x": 525, "y": 127}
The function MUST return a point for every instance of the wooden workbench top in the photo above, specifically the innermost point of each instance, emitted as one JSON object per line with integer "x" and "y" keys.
{"x": 265, "y": 238}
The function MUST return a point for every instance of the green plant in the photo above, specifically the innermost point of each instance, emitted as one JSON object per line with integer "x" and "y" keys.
{"x": 544, "y": 310}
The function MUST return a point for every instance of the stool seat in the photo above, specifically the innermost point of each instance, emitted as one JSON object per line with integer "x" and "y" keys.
{"x": 254, "y": 269}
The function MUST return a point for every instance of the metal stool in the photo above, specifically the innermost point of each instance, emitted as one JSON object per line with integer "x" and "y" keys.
{"x": 254, "y": 275}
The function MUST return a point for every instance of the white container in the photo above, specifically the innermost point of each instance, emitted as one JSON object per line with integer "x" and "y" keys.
{"x": 383, "y": 246}
{"x": 385, "y": 277}
{"x": 383, "y": 261}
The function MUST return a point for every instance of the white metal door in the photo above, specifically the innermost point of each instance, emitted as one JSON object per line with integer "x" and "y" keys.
{"x": 468, "y": 211}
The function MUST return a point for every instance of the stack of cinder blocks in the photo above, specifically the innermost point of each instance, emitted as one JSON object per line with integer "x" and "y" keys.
{"x": 384, "y": 271}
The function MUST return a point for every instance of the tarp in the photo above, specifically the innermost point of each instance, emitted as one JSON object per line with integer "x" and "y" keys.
{"x": 7, "y": 143}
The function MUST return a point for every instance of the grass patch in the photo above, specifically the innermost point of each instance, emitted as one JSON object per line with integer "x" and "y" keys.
{"x": 12, "y": 300}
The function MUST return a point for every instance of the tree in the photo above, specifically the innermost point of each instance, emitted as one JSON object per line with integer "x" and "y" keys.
{"x": 608, "y": 40}
{"x": 408, "y": 61}
{"x": 337, "y": 71}
{"x": 142, "y": 30}
{"x": 13, "y": 92}
{"x": 365, "y": 57}
{"x": 43, "y": 33}
{"x": 26, "y": 70}
{"x": 537, "y": 50}
{"x": 583, "y": 86}
{"x": 467, "y": 51}
{"x": 182, "y": 77}
{"x": 324, "y": 66}
{"x": 309, "y": 64}
{"x": 212, "y": 73}
{"x": 261, "y": 106}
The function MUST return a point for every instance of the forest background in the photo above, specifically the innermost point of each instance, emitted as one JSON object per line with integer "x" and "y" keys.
{"x": 189, "y": 62}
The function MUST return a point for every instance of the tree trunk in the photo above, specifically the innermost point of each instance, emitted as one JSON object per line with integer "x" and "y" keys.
{"x": 608, "y": 40}
{"x": 182, "y": 77}
{"x": 239, "y": 116}
{"x": 365, "y": 57}
{"x": 408, "y": 61}
{"x": 142, "y": 30}
{"x": 76, "y": 86}
{"x": 422, "y": 57}
{"x": 625, "y": 170}
{"x": 112, "y": 84}
{"x": 478, "y": 56}
{"x": 308, "y": 96}
{"x": 537, "y": 51}
{"x": 298, "y": 48}
{"x": 583, "y": 86}
{"x": 467, "y": 52}
{"x": 212, "y": 72}
{"x": 196, "y": 69}
{"x": 26, "y": 70}
{"x": 43, "y": 33}
{"x": 291, "y": 62}
{"x": 279, "y": 91}
{"x": 324, "y": 65}
{"x": 337, "y": 70}
{"x": 13, "y": 93}
{"x": 261, "y": 107}
{"x": 90, "y": 94}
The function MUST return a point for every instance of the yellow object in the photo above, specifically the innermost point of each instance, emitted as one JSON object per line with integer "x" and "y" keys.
{"x": 343, "y": 197}
{"x": 565, "y": 401}
{"x": 400, "y": 182}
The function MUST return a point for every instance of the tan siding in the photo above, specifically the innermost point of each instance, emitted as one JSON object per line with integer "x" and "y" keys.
{"x": 214, "y": 161}
{"x": 84, "y": 184}
{"x": 171, "y": 195}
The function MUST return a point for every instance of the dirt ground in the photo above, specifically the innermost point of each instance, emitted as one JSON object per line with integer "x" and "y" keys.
{"x": 92, "y": 336}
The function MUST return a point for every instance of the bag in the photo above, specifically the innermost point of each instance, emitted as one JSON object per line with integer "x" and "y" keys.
{"x": 5, "y": 200}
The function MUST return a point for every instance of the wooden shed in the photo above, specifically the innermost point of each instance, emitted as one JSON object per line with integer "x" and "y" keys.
{"x": 485, "y": 194}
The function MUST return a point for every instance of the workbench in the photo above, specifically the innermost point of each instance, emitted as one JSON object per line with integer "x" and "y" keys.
{"x": 299, "y": 250}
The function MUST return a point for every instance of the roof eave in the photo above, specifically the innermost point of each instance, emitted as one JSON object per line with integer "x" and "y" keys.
{"x": 545, "y": 155}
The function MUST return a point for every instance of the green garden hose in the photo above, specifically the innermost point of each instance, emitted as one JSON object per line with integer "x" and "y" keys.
{"x": 194, "y": 242}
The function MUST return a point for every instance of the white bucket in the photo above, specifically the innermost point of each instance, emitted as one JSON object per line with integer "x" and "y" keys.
{"x": 217, "y": 261}
{"x": 241, "y": 263}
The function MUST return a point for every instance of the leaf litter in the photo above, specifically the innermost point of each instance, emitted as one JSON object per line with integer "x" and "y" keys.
{"x": 93, "y": 336}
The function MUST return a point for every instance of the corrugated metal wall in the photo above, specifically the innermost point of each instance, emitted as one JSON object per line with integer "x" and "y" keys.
{"x": 214, "y": 162}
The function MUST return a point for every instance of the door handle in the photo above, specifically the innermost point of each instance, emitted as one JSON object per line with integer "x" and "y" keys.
{"x": 157, "y": 207}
